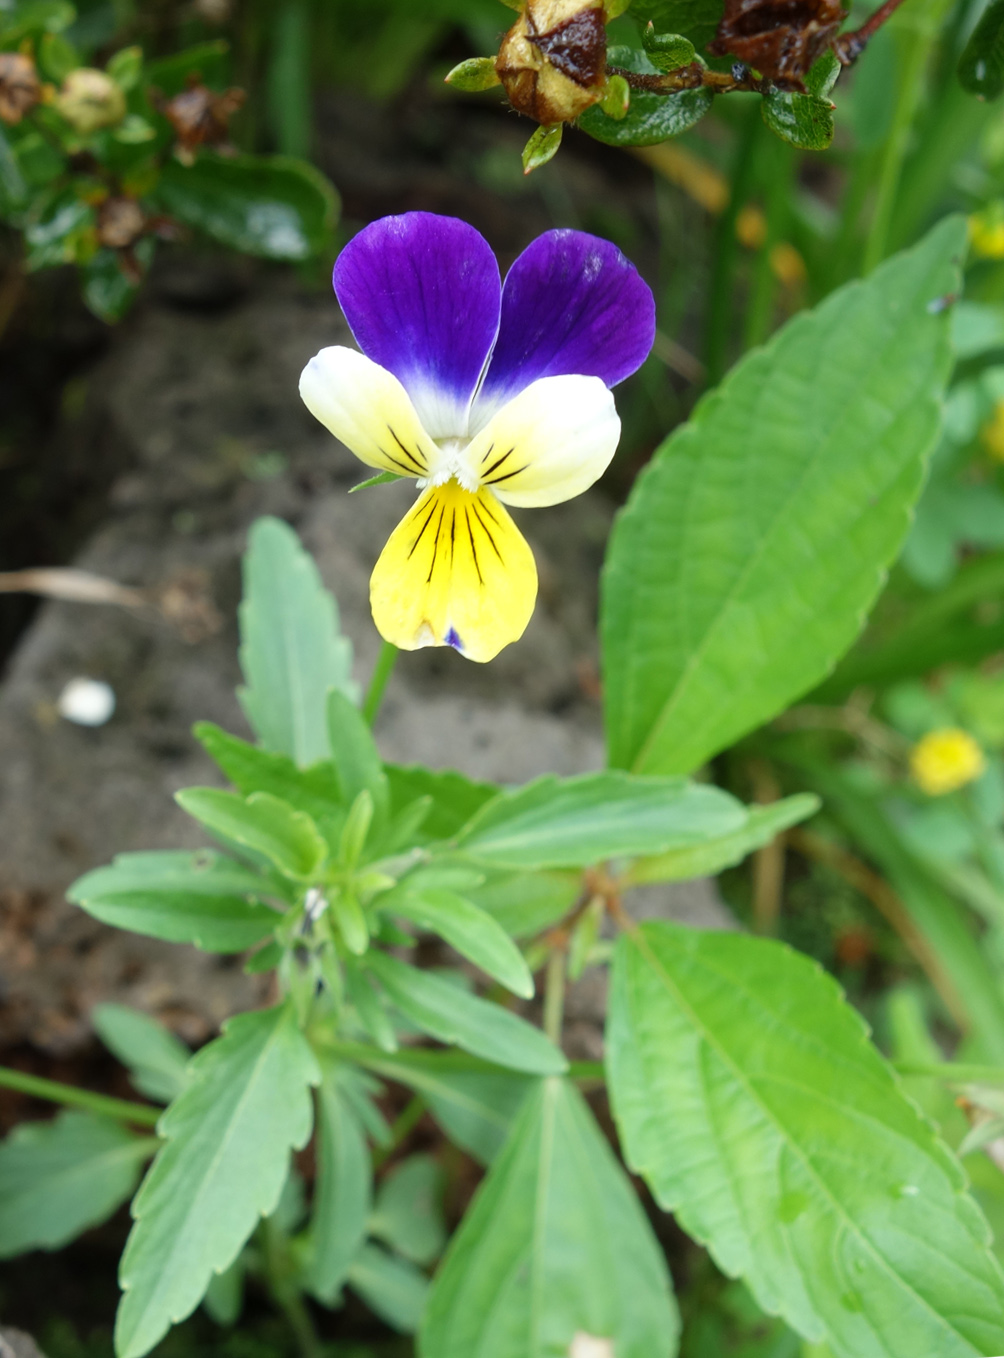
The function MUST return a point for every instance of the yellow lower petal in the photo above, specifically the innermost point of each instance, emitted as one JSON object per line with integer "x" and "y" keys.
{"x": 457, "y": 572}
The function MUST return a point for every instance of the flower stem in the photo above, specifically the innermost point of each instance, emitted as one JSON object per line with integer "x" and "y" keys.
{"x": 382, "y": 671}
{"x": 40, "y": 1088}
{"x": 554, "y": 996}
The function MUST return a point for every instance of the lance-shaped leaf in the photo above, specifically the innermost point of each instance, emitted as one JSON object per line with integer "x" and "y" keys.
{"x": 292, "y": 651}
{"x": 251, "y": 769}
{"x": 157, "y": 1060}
{"x": 58, "y": 1178}
{"x": 452, "y": 1015}
{"x": 473, "y": 933}
{"x": 757, "y": 538}
{"x": 201, "y": 898}
{"x": 354, "y": 754}
{"x": 748, "y": 1096}
{"x": 455, "y": 799}
{"x": 408, "y": 1213}
{"x": 576, "y": 822}
{"x": 226, "y": 1158}
{"x": 288, "y": 839}
{"x": 343, "y": 1193}
{"x": 555, "y": 1246}
{"x": 393, "y": 1288}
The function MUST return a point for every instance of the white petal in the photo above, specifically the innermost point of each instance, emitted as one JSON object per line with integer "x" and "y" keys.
{"x": 549, "y": 443}
{"x": 368, "y": 409}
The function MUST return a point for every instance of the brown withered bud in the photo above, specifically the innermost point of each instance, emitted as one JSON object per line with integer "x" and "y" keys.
{"x": 553, "y": 61}
{"x": 121, "y": 222}
{"x": 200, "y": 116}
{"x": 781, "y": 39}
{"x": 20, "y": 88}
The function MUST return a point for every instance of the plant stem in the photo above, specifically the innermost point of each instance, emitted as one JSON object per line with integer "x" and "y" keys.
{"x": 285, "y": 1293}
{"x": 403, "y": 1124}
{"x": 947, "y": 1070}
{"x": 554, "y": 995}
{"x": 121, "y": 1109}
{"x": 382, "y": 670}
{"x": 780, "y": 172}
{"x": 720, "y": 300}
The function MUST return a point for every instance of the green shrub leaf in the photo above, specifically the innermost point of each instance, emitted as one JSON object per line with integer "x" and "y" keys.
{"x": 408, "y": 1214}
{"x": 650, "y": 118}
{"x": 455, "y": 798}
{"x": 748, "y": 1096}
{"x": 393, "y": 1288}
{"x": 288, "y": 839}
{"x": 157, "y": 1060}
{"x": 757, "y": 538}
{"x": 695, "y": 19}
{"x": 981, "y": 66}
{"x": 554, "y": 1246}
{"x": 342, "y": 1196}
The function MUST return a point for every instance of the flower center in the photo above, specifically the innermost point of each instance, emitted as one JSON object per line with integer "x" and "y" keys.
{"x": 451, "y": 466}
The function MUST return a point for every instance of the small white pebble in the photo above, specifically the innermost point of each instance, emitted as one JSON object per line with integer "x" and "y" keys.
{"x": 86, "y": 702}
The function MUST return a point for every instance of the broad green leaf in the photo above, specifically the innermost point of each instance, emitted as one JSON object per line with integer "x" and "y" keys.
{"x": 473, "y": 933}
{"x": 292, "y": 651}
{"x": 224, "y": 1299}
{"x": 976, "y": 328}
{"x": 526, "y": 903}
{"x": 474, "y": 1105}
{"x": 287, "y": 838}
{"x": 355, "y": 757}
{"x": 554, "y": 1246}
{"x": 667, "y": 51}
{"x": 342, "y": 1195}
{"x": 210, "y": 61}
{"x": 251, "y": 769}
{"x": 157, "y": 1060}
{"x": 695, "y": 19}
{"x": 576, "y": 822}
{"x": 109, "y": 290}
{"x": 13, "y": 189}
{"x": 650, "y": 118}
{"x": 747, "y": 1095}
{"x": 757, "y": 538}
{"x": 705, "y": 860}
{"x": 33, "y": 19}
{"x": 201, "y": 898}
{"x": 408, "y": 1213}
{"x": 805, "y": 120}
{"x": 259, "y": 205}
{"x": 393, "y": 1288}
{"x": 455, "y": 799}
{"x": 981, "y": 66}
{"x": 454, "y": 1016}
{"x": 59, "y": 1178}
{"x": 226, "y": 1158}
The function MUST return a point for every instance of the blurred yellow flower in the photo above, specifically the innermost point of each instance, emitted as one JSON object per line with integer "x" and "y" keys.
{"x": 986, "y": 232}
{"x": 992, "y": 433}
{"x": 946, "y": 760}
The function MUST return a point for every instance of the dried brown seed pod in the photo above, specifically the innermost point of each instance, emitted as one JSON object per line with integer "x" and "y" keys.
{"x": 553, "y": 61}
{"x": 781, "y": 39}
{"x": 121, "y": 222}
{"x": 200, "y": 116}
{"x": 20, "y": 88}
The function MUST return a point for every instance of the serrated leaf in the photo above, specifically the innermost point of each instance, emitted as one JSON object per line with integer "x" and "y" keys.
{"x": 408, "y": 1213}
{"x": 59, "y": 1178}
{"x": 473, "y": 933}
{"x": 455, "y": 798}
{"x": 292, "y": 651}
{"x": 202, "y": 898}
{"x": 981, "y": 66}
{"x": 342, "y": 1197}
{"x": 802, "y": 120}
{"x": 157, "y": 1060}
{"x": 224, "y": 1299}
{"x": 757, "y": 538}
{"x": 748, "y": 1096}
{"x": 287, "y": 838}
{"x": 577, "y": 822}
{"x": 554, "y": 1245}
{"x": 224, "y": 1164}
{"x": 705, "y": 860}
{"x": 393, "y": 1288}
{"x": 651, "y": 118}
{"x": 454, "y": 1016}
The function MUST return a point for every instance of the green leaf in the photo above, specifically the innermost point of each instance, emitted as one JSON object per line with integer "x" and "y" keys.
{"x": 35, "y": 18}
{"x": 59, "y": 1178}
{"x": 473, "y": 75}
{"x": 695, "y": 19}
{"x": 57, "y": 57}
{"x": 474, "y": 1105}
{"x": 342, "y": 1196}
{"x": 455, "y": 798}
{"x": 357, "y": 763}
{"x": 126, "y": 67}
{"x": 381, "y": 479}
{"x": 452, "y": 1015}
{"x": 542, "y": 146}
{"x": 526, "y": 903}
{"x": 651, "y": 118}
{"x": 210, "y": 61}
{"x": 473, "y": 933}
{"x": 576, "y": 822}
{"x": 292, "y": 652}
{"x": 369, "y": 1007}
{"x": 110, "y": 289}
{"x": 393, "y": 1288}
{"x": 757, "y": 538}
{"x": 201, "y": 898}
{"x": 554, "y": 1245}
{"x": 748, "y": 1096}
{"x": 802, "y": 120}
{"x": 981, "y": 66}
{"x": 224, "y": 1299}
{"x": 259, "y": 205}
{"x": 408, "y": 1215}
{"x": 13, "y": 189}
{"x": 55, "y": 234}
{"x": 226, "y": 1158}
{"x": 667, "y": 51}
{"x": 261, "y": 822}
{"x": 157, "y": 1060}
{"x": 707, "y": 859}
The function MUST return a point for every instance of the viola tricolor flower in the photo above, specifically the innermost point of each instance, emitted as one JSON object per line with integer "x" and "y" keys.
{"x": 487, "y": 396}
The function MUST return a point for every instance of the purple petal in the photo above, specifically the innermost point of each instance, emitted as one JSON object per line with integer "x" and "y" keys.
{"x": 572, "y": 303}
{"x": 421, "y": 295}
